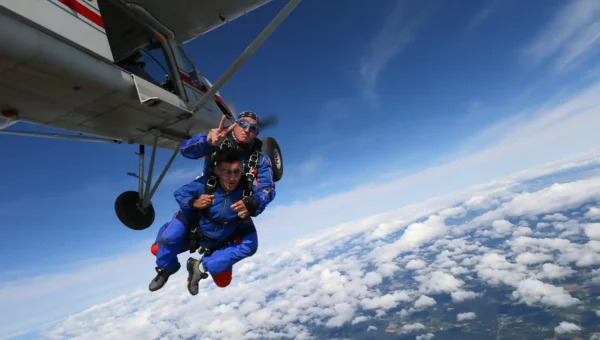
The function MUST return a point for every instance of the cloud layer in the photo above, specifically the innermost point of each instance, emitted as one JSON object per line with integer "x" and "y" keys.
{"x": 373, "y": 269}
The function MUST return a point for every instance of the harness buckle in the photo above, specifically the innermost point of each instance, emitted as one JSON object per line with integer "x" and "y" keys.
{"x": 253, "y": 160}
{"x": 204, "y": 251}
{"x": 211, "y": 183}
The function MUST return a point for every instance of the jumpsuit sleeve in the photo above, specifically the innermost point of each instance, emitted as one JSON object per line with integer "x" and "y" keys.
{"x": 196, "y": 147}
{"x": 264, "y": 191}
{"x": 186, "y": 195}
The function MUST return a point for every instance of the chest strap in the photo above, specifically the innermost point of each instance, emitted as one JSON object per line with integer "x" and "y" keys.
{"x": 195, "y": 233}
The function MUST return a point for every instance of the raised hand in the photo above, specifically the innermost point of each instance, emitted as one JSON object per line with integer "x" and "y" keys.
{"x": 216, "y": 136}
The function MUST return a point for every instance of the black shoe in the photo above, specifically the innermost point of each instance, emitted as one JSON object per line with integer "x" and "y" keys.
{"x": 194, "y": 275}
{"x": 162, "y": 277}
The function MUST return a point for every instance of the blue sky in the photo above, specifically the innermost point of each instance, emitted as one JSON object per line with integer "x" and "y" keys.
{"x": 365, "y": 94}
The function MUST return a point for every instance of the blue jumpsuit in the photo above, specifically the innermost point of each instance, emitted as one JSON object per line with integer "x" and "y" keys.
{"x": 173, "y": 238}
{"x": 197, "y": 147}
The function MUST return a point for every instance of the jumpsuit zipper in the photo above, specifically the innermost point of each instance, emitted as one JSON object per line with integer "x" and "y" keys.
{"x": 222, "y": 213}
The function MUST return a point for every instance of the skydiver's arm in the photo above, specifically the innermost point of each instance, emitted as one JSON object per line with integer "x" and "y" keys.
{"x": 264, "y": 190}
{"x": 196, "y": 147}
{"x": 187, "y": 194}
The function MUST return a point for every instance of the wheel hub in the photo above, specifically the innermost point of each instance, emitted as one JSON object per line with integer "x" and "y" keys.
{"x": 277, "y": 159}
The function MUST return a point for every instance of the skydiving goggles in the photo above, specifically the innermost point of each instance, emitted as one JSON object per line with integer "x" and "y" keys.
{"x": 244, "y": 124}
{"x": 229, "y": 173}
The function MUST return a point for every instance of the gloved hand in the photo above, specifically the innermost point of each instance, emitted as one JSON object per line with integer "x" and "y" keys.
{"x": 251, "y": 204}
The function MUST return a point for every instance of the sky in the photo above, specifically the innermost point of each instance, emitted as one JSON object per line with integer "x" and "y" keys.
{"x": 379, "y": 107}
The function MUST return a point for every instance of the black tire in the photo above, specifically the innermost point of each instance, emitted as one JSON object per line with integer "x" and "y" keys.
{"x": 130, "y": 215}
{"x": 271, "y": 148}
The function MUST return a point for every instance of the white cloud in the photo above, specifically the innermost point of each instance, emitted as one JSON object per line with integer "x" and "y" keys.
{"x": 458, "y": 270}
{"x": 528, "y": 258}
{"x": 414, "y": 236}
{"x": 385, "y": 302}
{"x": 424, "y": 301}
{"x": 534, "y": 292}
{"x": 500, "y": 228}
{"x": 427, "y": 336}
{"x": 479, "y": 203}
{"x": 592, "y": 230}
{"x": 553, "y": 271}
{"x": 465, "y": 316}
{"x": 412, "y": 327}
{"x": 593, "y": 213}
{"x": 463, "y": 295}
{"x": 360, "y": 319}
{"x": 557, "y": 196}
{"x": 566, "y": 327}
{"x": 495, "y": 269}
{"x": 569, "y": 37}
{"x": 415, "y": 264}
{"x": 522, "y": 231}
{"x": 541, "y": 225}
{"x": 438, "y": 282}
{"x": 555, "y": 217}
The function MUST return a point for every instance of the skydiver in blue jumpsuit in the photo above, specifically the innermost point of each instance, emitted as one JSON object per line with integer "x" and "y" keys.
{"x": 241, "y": 136}
{"x": 224, "y": 222}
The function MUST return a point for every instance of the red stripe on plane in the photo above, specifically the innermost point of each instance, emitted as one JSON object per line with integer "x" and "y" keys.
{"x": 188, "y": 80}
{"x": 202, "y": 88}
{"x": 83, "y": 11}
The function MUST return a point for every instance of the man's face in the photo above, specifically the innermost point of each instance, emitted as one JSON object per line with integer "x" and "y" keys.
{"x": 242, "y": 134}
{"x": 229, "y": 175}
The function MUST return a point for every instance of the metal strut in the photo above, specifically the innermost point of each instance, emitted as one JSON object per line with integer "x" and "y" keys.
{"x": 60, "y": 136}
{"x": 285, "y": 11}
{"x": 148, "y": 191}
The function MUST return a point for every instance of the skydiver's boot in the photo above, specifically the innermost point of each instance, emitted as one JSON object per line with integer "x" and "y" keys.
{"x": 162, "y": 277}
{"x": 195, "y": 274}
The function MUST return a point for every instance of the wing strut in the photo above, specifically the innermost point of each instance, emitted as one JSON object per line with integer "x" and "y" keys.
{"x": 134, "y": 208}
{"x": 285, "y": 11}
{"x": 59, "y": 136}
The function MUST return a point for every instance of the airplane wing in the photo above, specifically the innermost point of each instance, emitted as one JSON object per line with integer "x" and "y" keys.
{"x": 189, "y": 19}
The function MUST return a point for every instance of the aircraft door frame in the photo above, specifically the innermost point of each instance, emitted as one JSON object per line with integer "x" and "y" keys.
{"x": 172, "y": 59}
{"x": 191, "y": 80}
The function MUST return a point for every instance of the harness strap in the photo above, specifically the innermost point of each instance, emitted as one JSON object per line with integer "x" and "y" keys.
{"x": 196, "y": 236}
{"x": 250, "y": 172}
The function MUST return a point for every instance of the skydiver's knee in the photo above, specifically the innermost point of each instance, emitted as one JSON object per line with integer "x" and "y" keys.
{"x": 249, "y": 246}
{"x": 223, "y": 279}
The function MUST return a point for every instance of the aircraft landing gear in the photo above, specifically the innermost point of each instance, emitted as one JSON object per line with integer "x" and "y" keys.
{"x": 130, "y": 212}
{"x": 134, "y": 209}
{"x": 271, "y": 148}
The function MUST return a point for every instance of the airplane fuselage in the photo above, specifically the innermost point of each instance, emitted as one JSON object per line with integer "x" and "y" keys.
{"x": 99, "y": 67}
